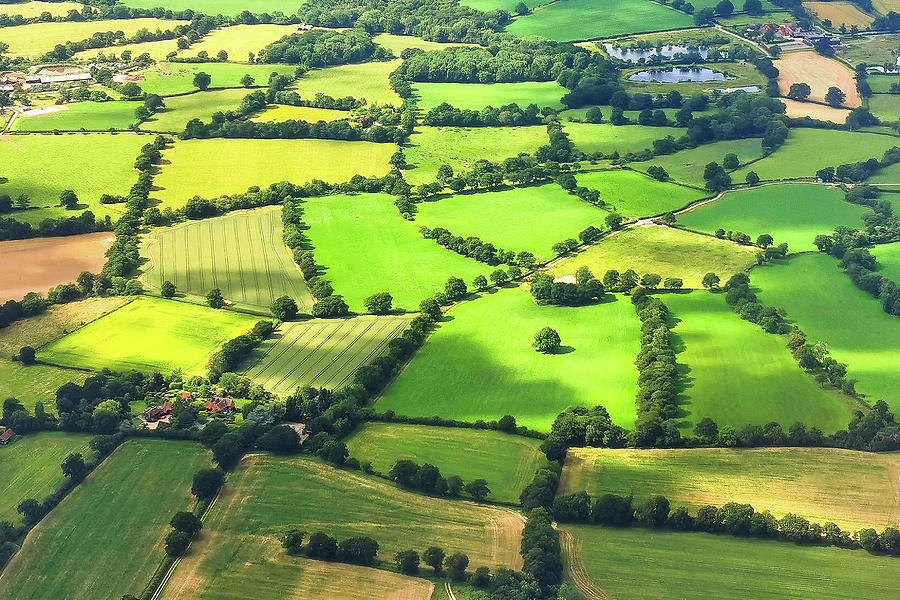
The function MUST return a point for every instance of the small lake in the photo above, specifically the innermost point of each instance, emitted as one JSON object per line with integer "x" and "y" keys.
{"x": 636, "y": 54}
{"x": 679, "y": 75}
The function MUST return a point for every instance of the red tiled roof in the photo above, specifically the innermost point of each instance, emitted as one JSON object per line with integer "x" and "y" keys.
{"x": 7, "y": 435}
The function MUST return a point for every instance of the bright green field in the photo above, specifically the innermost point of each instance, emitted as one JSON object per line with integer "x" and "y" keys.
{"x": 808, "y": 150}
{"x": 37, "y": 7}
{"x": 181, "y": 109}
{"x": 367, "y": 81}
{"x": 687, "y": 166}
{"x": 35, "y": 383}
{"x": 641, "y": 564}
{"x": 529, "y": 218}
{"x": 38, "y": 38}
{"x": 241, "y": 253}
{"x": 634, "y": 194}
{"x": 428, "y": 148}
{"x": 888, "y": 256}
{"x": 166, "y": 79}
{"x": 736, "y": 373}
{"x": 665, "y": 251}
{"x": 105, "y": 539}
{"x": 885, "y": 106}
{"x": 34, "y": 166}
{"x": 212, "y": 168}
{"x": 239, "y": 41}
{"x": 792, "y": 213}
{"x": 280, "y": 112}
{"x": 89, "y": 116}
{"x": 30, "y": 468}
{"x": 149, "y": 335}
{"x": 881, "y": 84}
{"x": 607, "y": 138}
{"x": 507, "y": 5}
{"x": 507, "y": 462}
{"x": 810, "y": 482}
{"x": 399, "y": 43}
{"x": 475, "y": 96}
{"x": 480, "y": 364}
{"x": 367, "y": 248}
{"x": 824, "y": 303}
{"x": 157, "y": 50}
{"x": 221, "y": 7}
{"x": 575, "y": 20}
{"x": 322, "y": 353}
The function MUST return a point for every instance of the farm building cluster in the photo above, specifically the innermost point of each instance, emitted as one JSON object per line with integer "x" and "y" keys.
{"x": 159, "y": 417}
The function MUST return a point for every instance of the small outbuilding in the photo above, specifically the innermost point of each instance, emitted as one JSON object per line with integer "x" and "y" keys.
{"x": 7, "y": 436}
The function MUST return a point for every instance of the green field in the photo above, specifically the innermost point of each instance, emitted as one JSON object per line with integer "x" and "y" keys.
{"x": 367, "y": 81}
{"x": 238, "y": 164}
{"x": 428, "y": 148}
{"x": 665, "y": 251}
{"x": 157, "y": 50}
{"x": 575, "y": 20}
{"x": 736, "y": 373}
{"x": 35, "y": 39}
{"x": 33, "y": 9}
{"x": 480, "y": 364}
{"x": 166, "y": 79}
{"x": 241, "y": 253}
{"x": 475, "y": 96}
{"x": 30, "y": 468}
{"x": 367, "y": 248}
{"x": 881, "y": 84}
{"x": 202, "y": 105}
{"x": 507, "y": 462}
{"x": 687, "y": 166}
{"x": 149, "y": 335}
{"x": 322, "y": 353}
{"x": 35, "y": 383}
{"x": 808, "y": 150}
{"x": 641, "y": 564}
{"x": 793, "y": 213}
{"x": 607, "y": 138}
{"x": 77, "y": 116}
{"x": 238, "y": 551}
{"x": 220, "y": 7}
{"x": 239, "y": 41}
{"x": 888, "y": 256}
{"x": 398, "y": 43}
{"x": 810, "y": 482}
{"x": 885, "y": 106}
{"x": 33, "y": 167}
{"x": 277, "y": 113}
{"x": 507, "y": 5}
{"x": 634, "y": 194}
{"x": 824, "y": 303}
{"x": 528, "y": 218}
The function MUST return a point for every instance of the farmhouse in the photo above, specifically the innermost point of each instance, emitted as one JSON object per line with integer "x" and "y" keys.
{"x": 157, "y": 417}
{"x": 7, "y": 436}
{"x": 220, "y": 405}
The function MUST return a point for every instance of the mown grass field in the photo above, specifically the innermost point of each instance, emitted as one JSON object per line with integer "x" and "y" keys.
{"x": 639, "y": 564}
{"x": 576, "y": 20}
{"x": 77, "y": 116}
{"x": 322, "y": 353}
{"x": 367, "y": 248}
{"x": 149, "y": 334}
{"x": 507, "y": 462}
{"x": 885, "y": 106}
{"x": 476, "y": 96}
{"x": 792, "y": 213}
{"x": 398, "y": 43}
{"x": 239, "y": 41}
{"x": 824, "y": 303}
{"x": 37, "y": 38}
{"x": 238, "y": 550}
{"x": 633, "y": 194}
{"x": 202, "y": 105}
{"x": 166, "y": 79}
{"x": 608, "y": 138}
{"x": 105, "y": 539}
{"x": 35, "y": 383}
{"x": 30, "y": 468}
{"x": 428, "y": 148}
{"x": 37, "y": 7}
{"x": 529, "y": 218}
{"x": 367, "y": 81}
{"x": 480, "y": 363}
{"x": 810, "y": 482}
{"x": 157, "y": 50}
{"x": 736, "y": 373}
{"x": 221, "y": 7}
{"x": 238, "y": 164}
{"x": 277, "y": 113}
{"x": 888, "y": 257}
{"x": 32, "y": 166}
{"x": 881, "y": 84}
{"x": 665, "y": 251}
{"x": 687, "y": 166}
{"x": 241, "y": 253}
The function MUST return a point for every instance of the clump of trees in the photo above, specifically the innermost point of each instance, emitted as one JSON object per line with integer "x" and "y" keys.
{"x": 586, "y": 289}
{"x": 508, "y": 115}
{"x": 427, "y": 478}
{"x": 474, "y": 247}
{"x": 360, "y": 550}
{"x": 236, "y": 349}
{"x": 318, "y": 48}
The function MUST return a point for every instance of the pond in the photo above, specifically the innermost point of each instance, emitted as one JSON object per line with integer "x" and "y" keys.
{"x": 679, "y": 75}
{"x": 669, "y": 51}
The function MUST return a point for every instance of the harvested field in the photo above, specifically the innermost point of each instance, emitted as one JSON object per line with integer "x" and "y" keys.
{"x": 819, "y": 72}
{"x": 35, "y": 8}
{"x": 840, "y": 13}
{"x": 239, "y": 41}
{"x": 37, "y": 38}
{"x": 633, "y": 194}
{"x": 886, "y": 6}
{"x": 797, "y": 109}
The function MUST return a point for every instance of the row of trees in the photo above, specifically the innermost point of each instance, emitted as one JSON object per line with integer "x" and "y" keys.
{"x": 360, "y": 550}
{"x": 585, "y": 290}
{"x": 237, "y": 349}
{"x": 508, "y": 115}
{"x": 226, "y": 125}
{"x": 474, "y": 247}
{"x": 427, "y": 478}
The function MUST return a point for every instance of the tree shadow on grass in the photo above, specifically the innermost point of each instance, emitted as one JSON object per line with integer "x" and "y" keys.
{"x": 564, "y": 350}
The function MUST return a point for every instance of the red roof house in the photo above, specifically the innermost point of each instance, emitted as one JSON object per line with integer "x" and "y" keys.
{"x": 7, "y": 436}
{"x": 222, "y": 405}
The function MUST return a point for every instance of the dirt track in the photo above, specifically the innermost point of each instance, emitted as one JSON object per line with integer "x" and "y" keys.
{"x": 576, "y": 571}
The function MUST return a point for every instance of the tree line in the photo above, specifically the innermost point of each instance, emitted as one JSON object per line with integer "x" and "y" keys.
{"x": 508, "y": 115}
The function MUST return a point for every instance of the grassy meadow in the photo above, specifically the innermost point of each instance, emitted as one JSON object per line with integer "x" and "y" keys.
{"x": 888, "y": 257}
{"x": 239, "y": 41}
{"x": 110, "y": 529}
{"x": 35, "y": 383}
{"x": 31, "y": 41}
{"x": 78, "y": 116}
{"x": 633, "y": 194}
{"x": 367, "y": 81}
{"x": 166, "y": 79}
{"x": 475, "y": 96}
{"x": 398, "y": 43}
{"x": 322, "y": 353}
{"x": 480, "y": 364}
{"x": 608, "y": 138}
{"x": 202, "y": 105}
{"x": 158, "y": 50}
{"x": 367, "y": 248}
{"x": 36, "y": 8}
{"x": 507, "y": 462}
{"x": 885, "y": 106}
{"x": 687, "y": 166}
{"x": 280, "y": 112}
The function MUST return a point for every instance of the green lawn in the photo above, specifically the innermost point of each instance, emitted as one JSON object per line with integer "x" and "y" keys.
{"x": 476, "y": 96}
{"x": 105, "y": 539}
{"x": 824, "y": 303}
{"x": 607, "y": 138}
{"x": 30, "y": 468}
{"x": 77, "y": 116}
{"x": 239, "y": 41}
{"x": 687, "y": 166}
{"x": 367, "y": 81}
{"x": 166, "y": 79}
{"x": 367, "y": 248}
{"x": 149, "y": 335}
{"x": 241, "y": 253}
{"x": 641, "y": 564}
{"x": 33, "y": 40}
{"x": 181, "y": 109}
{"x": 575, "y": 20}
{"x": 480, "y": 363}
{"x": 810, "y": 482}
{"x": 220, "y": 7}
{"x": 888, "y": 256}
{"x": 885, "y": 106}
{"x": 665, "y": 251}
{"x": 634, "y": 194}
{"x": 792, "y": 213}
{"x": 507, "y": 462}
{"x": 529, "y": 218}
{"x": 736, "y": 373}
{"x": 428, "y": 148}
{"x": 33, "y": 166}
{"x": 212, "y": 168}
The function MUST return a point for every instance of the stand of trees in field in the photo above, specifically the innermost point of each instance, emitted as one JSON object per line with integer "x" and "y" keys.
{"x": 508, "y": 115}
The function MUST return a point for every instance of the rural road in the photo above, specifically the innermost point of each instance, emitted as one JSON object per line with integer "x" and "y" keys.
{"x": 450, "y": 593}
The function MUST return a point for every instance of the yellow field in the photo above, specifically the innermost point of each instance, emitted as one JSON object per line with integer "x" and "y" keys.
{"x": 798, "y": 109}
{"x": 38, "y": 38}
{"x": 239, "y": 40}
{"x": 281, "y": 112}
{"x": 819, "y": 72}
{"x": 399, "y": 43}
{"x": 36, "y": 8}
{"x": 157, "y": 50}
{"x": 840, "y": 12}
{"x": 886, "y": 6}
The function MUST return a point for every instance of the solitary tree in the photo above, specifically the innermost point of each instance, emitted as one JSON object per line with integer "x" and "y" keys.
{"x": 499, "y": 277}
{"x": 68, "y": 199}
{"x": 292, "y": 541}
{"x": 710, "y": 281}
{"x": 799, "y": 91}
{"x": 247, "y": 81}
{"x": 74, "y": 468}
{"x": 521, "y": 8}
{"x": 546, "y": 340}
{"x": 407, "y": 562}
{"x": 207, "y": 482}
{"x": 724, "y": 8}
{"x": 434, "y": 557}
{"x": 27, "y": 355}
{"x": 379, "y": 304}
{"x": 731, "y": 161}
{"x": 455, "y": 289}
{"x": 650, "y": 280}
{"x": 187, "y": 522}
{"x": 764, "y": 241}
{"x": 214, "y": 298}
{"x": 202, "y": 80}
{"x": 177, "y": 542}
{"x": 222, "y": 56}
{"x": 456, "y": 564}
{"x": 284, "y": 308}
{"x": 752, "y": 178}
{"x": 478, "y": 489}
{"x": 480, "y": 283}
{"x": 834, "y": 96}
{"x": 167, "y": 289}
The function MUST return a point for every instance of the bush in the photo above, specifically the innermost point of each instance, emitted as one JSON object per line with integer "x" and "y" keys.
{"x": 330, "y": 307}
{"x": 207, "y": 483}
{"x": 546, "y": 340}
{"x": 176, "y": 543}
{"x": 27, "y": 355}
{"x": 379, "y": 304}
{"x": 284, "y": 308}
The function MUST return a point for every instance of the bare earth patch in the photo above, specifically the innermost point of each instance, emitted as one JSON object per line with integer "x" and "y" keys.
{"x": 820, "y": 73}
{"x": 797, "y": 109}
